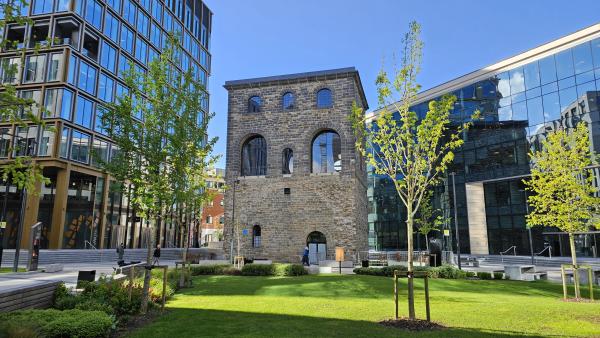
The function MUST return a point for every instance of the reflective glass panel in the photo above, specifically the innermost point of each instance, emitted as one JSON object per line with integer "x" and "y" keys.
{"x": 564, "y": 64}
{"x": 582, "y": 58}
{"x": 551, "y": 107}
{"x": 547, "y": 69}
{"x": 532, "y": 75}
{"x": 567, "y": 97}
{"x": 535, "y": 111}
{"x": 517, "y": 80}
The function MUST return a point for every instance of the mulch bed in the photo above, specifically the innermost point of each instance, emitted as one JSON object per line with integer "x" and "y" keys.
{"x": 412, "y": 325}
{"x": 138, "y": 321}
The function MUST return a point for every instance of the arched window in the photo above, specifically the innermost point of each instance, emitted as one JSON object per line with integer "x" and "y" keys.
{"x": 324, "y": 99}
{"x": 288, "y": 101}
{"x": 327, "y": 153}
{"x": 254, "y": 104}
{"x": 256, "y": 236}
{"x": 287, "y": 161}
{"x": 254, "y": 157}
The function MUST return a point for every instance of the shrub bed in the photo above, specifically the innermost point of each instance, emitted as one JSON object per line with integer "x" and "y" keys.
{"x": 54, "y": 323}
{"x": 498, "y": 275}
{"x": 104, "y": 295}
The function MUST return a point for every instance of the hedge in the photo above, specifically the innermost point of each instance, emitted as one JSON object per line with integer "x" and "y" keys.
{"x": 444, "y": 271}
{"x": 214, "y": 269}
{"x": 250, "y": 270}
{"x": 54, "y": 323}
{"x": 258, "y": 270}
{"x": 484, "y": 275}
{"x": 290, "y": 270}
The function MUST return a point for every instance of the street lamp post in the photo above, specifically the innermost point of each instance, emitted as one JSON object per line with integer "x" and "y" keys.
{"x": 529, "y": 230}
{"x": 3, "y": 219}
{"x": 21, "y": 218}
{"x": 235, "y": 183}
{"x": 456, "y": 221}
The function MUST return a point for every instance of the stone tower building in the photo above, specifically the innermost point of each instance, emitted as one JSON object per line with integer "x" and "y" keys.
{"x": 295, "y": 178}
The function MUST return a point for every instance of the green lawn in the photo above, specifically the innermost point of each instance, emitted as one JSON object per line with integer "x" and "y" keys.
{"x": 9, "y": 270}
{"x": 351, "y": 306}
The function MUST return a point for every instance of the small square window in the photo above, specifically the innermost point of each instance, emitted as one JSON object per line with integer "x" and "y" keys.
{"x": 287, "y": 191}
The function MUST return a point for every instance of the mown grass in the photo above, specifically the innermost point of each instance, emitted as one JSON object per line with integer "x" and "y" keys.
{"x": 9, "y": 270}
{"x": 351, "y": 306}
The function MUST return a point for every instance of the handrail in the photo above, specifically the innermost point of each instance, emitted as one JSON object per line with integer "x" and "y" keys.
{"x": 86, "y": 243}
{"x": 513, "y": 248}
{"x": 549, "y": 248}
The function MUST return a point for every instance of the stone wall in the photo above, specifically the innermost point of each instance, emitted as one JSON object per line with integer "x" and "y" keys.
{"x": 334, "y": 203}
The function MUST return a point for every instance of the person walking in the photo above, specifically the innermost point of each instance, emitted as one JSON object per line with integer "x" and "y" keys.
{"x": 156, "y": 255}
{"x": 121, "y": 254}
{"x": 305, "y": 256}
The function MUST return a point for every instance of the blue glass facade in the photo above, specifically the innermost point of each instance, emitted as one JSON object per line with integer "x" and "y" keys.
{"x": 518, "y": 105}
{"x": 86, "y": 47}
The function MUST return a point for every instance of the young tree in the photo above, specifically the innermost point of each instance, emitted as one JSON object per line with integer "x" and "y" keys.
{"x": 190, "y": 153}
{"x": 562, "y": 186}
{"x": 163, "y": 147}
{"x": 22, "y": 171}
{"x": 429, "y": 219}
{"x": 414, "y": 153}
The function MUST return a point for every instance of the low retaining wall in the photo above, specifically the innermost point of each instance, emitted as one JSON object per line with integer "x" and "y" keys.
{"x": 36, "y": 296}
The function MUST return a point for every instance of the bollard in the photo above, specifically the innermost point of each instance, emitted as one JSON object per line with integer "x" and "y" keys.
{"x": 427, "y": 297}
{"x": 396, "y": 293}
{"x": 164, "y": 290}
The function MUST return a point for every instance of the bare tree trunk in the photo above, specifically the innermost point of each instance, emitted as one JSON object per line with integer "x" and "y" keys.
{"x": 426, "y": 243}
{"x": 148, "y": 271}
{"x": 185, "y": 249}
{"x": 575, "y": 267}
{"x": 411, "y": 288}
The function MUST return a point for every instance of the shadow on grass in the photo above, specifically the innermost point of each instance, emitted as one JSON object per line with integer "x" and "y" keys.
{"x": 357, "y": 286}
{"x": 181, "y": 322}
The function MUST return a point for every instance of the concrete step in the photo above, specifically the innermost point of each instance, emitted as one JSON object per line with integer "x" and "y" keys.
{"x": 554, "y": 262}
{"x": 67, "y": 256}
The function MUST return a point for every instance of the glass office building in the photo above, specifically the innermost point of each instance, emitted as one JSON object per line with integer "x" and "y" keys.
{"x": 86, "y": 45}
{"x": 520, "y": 99}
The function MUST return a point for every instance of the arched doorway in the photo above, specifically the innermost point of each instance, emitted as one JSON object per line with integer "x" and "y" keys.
{"x": 317, "y": 247}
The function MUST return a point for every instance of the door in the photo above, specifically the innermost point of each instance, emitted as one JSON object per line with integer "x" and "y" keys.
{"x": 312, "y": 253}
{"x": 317, "y": 247}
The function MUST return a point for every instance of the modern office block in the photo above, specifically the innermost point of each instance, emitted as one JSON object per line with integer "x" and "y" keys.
{"x": 86, "y": 45}
{"x": 520, "y": 99}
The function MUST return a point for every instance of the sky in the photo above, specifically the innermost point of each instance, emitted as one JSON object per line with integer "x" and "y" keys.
{"x": 255, "y": 38}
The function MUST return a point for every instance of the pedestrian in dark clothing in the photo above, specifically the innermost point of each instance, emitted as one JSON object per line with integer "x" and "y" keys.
{"x": 156, "y": 255}
{"x": 305, "y": 256}
{"x": 121, "y": 253}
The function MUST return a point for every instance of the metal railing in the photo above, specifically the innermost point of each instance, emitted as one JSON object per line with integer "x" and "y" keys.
{"x": 91, "y": 246}
{"x": 383, "y": 258}
{"x": 514, "y": 250}
{"x": 548, "y": 248}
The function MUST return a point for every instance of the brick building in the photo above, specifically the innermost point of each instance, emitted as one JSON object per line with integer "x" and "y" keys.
{"x": 294, "y": 174}
{"x": 213, "y": 213}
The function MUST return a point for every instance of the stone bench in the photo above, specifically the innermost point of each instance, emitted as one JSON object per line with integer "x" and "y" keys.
{"x": 517, "y": 272}
{"x": 53, "y": 268}
{"x": 262, "y": 261}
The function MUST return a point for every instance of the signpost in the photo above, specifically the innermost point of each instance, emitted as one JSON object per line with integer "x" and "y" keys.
{"x": 35, "y": 236}
{"x": 339, "y": 256}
